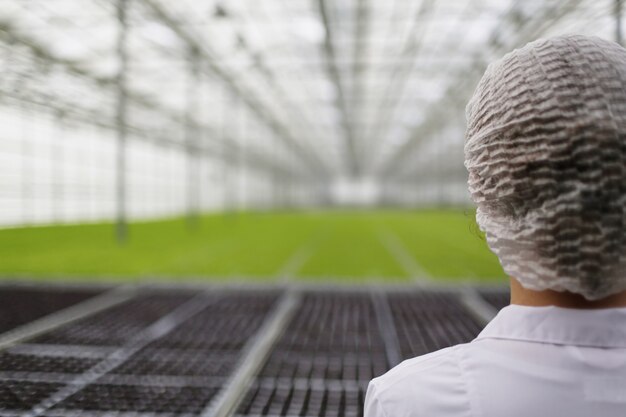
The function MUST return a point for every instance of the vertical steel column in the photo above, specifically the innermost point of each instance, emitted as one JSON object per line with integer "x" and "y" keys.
{"x": 121, "y": 121}
{"x": 242, "y": 180}
{"x": 26, "y": 171}
{"x": 233, "y": 186}
{"x": 274, "y": 203}
{"x": 439, "y": 173}
{"x": 191, "y": 140}
{"x": 618, "y": 21}
{"x": 223, "y": 103}
{"x": 57, "y": 176}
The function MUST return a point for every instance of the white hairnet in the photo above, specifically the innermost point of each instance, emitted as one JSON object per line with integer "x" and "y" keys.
{"x": 546, "y": 155}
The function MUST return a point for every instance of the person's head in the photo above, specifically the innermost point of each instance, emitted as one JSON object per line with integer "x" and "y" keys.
{"x": 546, "y": 156}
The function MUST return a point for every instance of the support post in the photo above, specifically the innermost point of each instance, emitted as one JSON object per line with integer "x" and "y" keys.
{"x": 26, "y": 167}
{"x": 57, "y": 175}
{"x": 191, "y": 137}
{"x": 222, "y": 104}
{"x": 121, "y": 227}
{"x": 618, "y": 21}
{"x": 242, "y": 174}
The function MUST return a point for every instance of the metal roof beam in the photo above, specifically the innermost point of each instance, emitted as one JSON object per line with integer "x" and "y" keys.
{"x": 316, "y": 166}
{"x": 438, "y": 116}
{"x": 95, "y": 118}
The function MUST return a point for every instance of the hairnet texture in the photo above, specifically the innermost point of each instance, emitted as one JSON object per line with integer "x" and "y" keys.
{"x": 546, "y": 156}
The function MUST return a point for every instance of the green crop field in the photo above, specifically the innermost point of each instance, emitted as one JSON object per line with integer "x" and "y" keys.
{"x": 341, "y": 246}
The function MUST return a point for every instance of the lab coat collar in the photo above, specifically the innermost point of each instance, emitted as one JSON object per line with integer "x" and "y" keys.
{"x": 604, "y": 328}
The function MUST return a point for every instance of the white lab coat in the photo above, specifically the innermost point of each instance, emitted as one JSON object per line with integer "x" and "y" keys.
{"x": 528, "y": 362}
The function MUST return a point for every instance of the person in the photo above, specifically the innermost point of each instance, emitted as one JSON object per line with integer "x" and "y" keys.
{"x": 546, "y": 155}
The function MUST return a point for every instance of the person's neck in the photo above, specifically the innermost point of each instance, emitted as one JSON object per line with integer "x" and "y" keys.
{"x": 525, "y": 297}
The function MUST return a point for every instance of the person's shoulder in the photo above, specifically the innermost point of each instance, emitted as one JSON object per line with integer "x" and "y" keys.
{"x": 432, "y": 384}
{"x": 421, "y": 368}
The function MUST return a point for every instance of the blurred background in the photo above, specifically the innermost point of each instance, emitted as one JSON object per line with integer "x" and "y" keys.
{"x": 272, "y": 140}
{"x": 298, "y": 164}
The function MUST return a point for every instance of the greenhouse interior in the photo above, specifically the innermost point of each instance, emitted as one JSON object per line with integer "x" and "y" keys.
{"x": 146, "y": 108}
{"x": 243, "y": 208}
